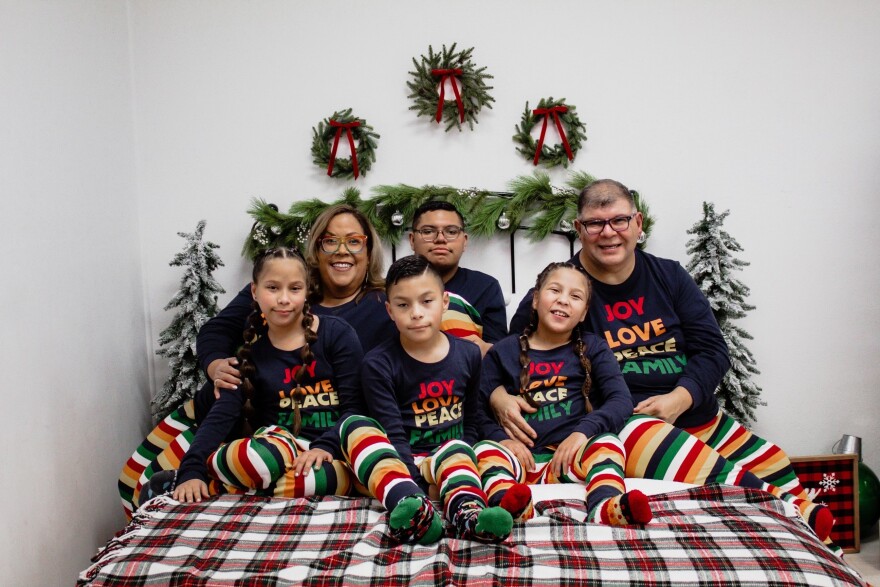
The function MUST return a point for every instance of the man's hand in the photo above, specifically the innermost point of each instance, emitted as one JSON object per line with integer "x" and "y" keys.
{"x": 508, "y": 411}
{"x": 668, "y": 406}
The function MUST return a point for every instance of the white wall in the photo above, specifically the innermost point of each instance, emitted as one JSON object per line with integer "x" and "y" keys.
{"x": 75, "y": 385}
{"x": 766, "y": 108}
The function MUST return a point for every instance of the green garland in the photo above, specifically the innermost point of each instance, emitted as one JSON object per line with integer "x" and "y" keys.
{"x": 532, "y": 204}
{"x": 556, "y": 155}
{"x": 474, "y": 93}
{"x": 325, "y": 134}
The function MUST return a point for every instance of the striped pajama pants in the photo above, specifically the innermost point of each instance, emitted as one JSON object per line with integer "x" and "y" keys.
{"x": 162, "y": 450}
{"x": 378, "y": 466}
{"x": 721, "y": 451}
{"x": 262, "y": 464}
{"x": 598, "y": 464}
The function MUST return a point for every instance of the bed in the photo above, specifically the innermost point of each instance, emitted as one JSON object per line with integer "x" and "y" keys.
{"x": 700, "y": 536}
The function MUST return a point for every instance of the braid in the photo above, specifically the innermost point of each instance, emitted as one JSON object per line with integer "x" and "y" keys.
{"x": 525, "y": 361}
{"x": 580, "y": 350}
{"x": 308, "y": 356}
{"x": 524, "y": 373}
{"x": 252, "y": 332}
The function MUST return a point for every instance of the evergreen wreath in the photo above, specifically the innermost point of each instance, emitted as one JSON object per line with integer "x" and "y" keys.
{"x": 332, "y": 129}
{"x": 571, "y": 132}
{"x": 532, "y": 199}
{"x": 433, "y": 70}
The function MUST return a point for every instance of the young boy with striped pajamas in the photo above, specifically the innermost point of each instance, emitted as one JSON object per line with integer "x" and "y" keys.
{"x": 422, "y": 388}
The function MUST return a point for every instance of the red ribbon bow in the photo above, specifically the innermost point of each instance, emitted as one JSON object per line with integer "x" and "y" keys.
{"x": 555, "y": 113}
{"x": 354, "y": 158}
{"x": 448, "y": 74}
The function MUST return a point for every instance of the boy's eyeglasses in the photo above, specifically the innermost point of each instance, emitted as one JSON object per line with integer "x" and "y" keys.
{"x": 429, "y": 233}
{"x": 354, "y": 243}
{"x": 617, "y": 224}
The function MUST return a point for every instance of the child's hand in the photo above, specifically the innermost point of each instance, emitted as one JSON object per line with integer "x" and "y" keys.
{"x": 565, "y": 452}
{"x": 521, "y": 452}
{"x": 311, "y": 459}
{"x": 224, "y": 374}
{"x": 192, "y": 491}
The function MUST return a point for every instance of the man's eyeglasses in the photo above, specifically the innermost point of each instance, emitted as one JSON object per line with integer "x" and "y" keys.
{"x": 617, "y": 224}
{"x": 354, "y": 243}
{"x": 429, "y": 233}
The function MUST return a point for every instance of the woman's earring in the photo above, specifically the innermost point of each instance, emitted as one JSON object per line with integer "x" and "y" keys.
{"x": 642, "y": 237}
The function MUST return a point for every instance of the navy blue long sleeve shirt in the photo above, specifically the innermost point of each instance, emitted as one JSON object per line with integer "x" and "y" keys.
{"x": 330, "y": 383}
{"x": 556, "y": 384}
{"x": 422, "y": 405}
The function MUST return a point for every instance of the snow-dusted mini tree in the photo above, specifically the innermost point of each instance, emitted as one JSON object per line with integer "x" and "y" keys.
{"x": 197, "y": 302}
{"x": 712, "y": 265}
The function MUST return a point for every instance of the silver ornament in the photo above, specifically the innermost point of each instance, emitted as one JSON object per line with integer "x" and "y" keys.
{"x": 397, "y": 218}
{"x": 503, "y": 221}
{"x": 564, "y": 225}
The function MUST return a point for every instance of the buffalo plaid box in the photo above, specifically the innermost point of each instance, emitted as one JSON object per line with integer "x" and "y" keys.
{"x": 833, "y": 480}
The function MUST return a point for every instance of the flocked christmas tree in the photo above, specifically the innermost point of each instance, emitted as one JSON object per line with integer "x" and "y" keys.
{"x": 197, "y": 302}
{"x": 712, "y": 265}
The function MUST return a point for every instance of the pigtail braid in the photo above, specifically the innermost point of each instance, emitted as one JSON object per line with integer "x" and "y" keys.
{"x": 580, "y": 349}
{"x": 255, "y": 326}
{"x": 525, "y": 361}
{"x": 311, "y": 337}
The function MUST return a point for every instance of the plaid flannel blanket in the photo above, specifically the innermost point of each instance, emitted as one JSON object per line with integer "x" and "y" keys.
{"x": 702, "y": 536}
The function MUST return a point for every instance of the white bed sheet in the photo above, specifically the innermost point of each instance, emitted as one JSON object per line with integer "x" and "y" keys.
{"x": 576, "y": 491}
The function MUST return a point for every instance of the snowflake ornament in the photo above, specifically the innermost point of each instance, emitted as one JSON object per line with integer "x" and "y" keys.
{"x": 829, "y": 481}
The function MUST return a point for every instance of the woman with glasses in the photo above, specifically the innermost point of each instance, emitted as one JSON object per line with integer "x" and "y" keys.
{"x": 672, "y": 354}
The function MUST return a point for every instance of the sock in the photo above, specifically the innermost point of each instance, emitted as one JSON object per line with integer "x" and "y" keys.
{"x": 518, "y": 501}
{"x": 630, "y": 508}
{"x": 821, "y": 520}
{"x": 474, "y": 522}
{"x": 414, "y": 519}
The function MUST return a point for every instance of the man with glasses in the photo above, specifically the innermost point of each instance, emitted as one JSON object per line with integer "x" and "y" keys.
{"x": 476, "y": 304}
{"x": 673, "y": 356}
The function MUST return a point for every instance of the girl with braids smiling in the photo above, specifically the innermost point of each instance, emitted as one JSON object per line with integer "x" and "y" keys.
{"x": 581, "y": 402}
{"x": 299, "y": 372}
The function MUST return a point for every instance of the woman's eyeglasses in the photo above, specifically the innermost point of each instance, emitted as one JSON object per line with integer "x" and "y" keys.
{"x": 354, "y": 243}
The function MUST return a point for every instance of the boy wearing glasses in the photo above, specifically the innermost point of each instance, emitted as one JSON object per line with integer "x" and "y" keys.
{"x": 476, "y": 306}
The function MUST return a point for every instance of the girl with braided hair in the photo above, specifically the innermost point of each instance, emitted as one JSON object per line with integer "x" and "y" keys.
{"x": 581, "y": 401}
{"x": 299, "y": 373}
